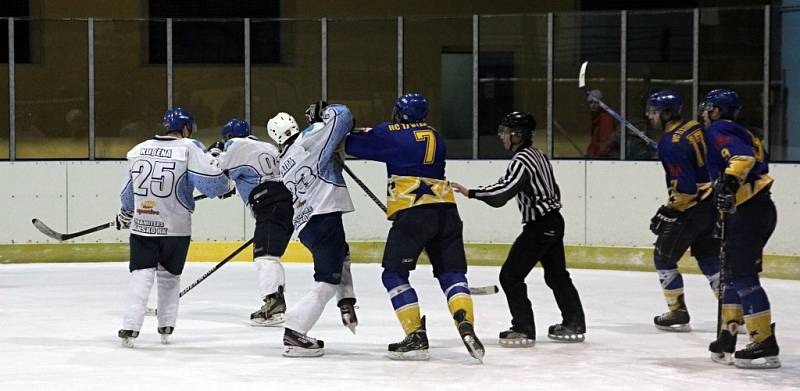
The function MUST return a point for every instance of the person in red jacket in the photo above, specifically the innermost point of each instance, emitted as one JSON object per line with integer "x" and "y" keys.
{"x": 604, "y": 143}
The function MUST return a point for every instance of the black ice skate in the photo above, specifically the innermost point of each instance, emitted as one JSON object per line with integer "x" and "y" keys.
{"x": 467, "y": 332}
{"x": 566, "y": 332}
{"x": 296, "y": 344}
{"x": 272, "y": 312}
{"x": 413, "y": 347}
{"x": 759, "y": 355}
{"x": 722, "y": 349}
{"x": 676, "y": 321}
{"x": 348, "y": 308}
{"x": 518, "y": 337}
{"x": 127, "y": 336}
{"x": 165, "y": 332}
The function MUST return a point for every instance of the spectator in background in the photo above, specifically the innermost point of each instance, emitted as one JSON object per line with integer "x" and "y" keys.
{"x": 604, "y": 143}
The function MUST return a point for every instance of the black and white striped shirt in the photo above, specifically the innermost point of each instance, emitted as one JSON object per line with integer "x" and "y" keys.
{"x": 529, "y": 177}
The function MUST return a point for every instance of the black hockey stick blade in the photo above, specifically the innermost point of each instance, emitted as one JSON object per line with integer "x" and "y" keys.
{"x": 483, "y": 290}
{"x": 43, "y": 228}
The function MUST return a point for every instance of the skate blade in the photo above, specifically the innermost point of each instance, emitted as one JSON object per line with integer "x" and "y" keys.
{"x": 517, "y": 342}
{"x": 127, "y": 342}
{"x": 165, "y": 339}
{"x": 274, "y": 320}
{"x": 150, "y": 311}
{"x": 414, "y": 355}
{"x": 474, "y": 347}
{"x": 349, "y": 324}
{"x": 722, "y": 358}
{"x": 678, "y": 328}
{"x": 769, "y": 362}
{"x": 296, "y": 351}
{"x": 568, "y": 338}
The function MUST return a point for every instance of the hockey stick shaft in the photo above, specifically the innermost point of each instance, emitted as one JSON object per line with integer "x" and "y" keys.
{"x": 216, "y": 267}
{"x": 43, "y": 228}
{"x": 479, "y": 290}
{"x": 619, "y": 118}
{"x": 722, "y": 265}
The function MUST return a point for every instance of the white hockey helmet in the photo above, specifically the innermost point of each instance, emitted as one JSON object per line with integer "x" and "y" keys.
{"x": 282, "y": 127}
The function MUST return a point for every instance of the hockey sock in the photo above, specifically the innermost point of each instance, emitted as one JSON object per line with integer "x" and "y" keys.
{"x": 404, "y": 299}
{"x": 671, "y": 284}
{"x": 139, "y": 285}
{"x": 732, "y": 312}
{"x": 303, "y": 315}
{"x": 757, "y": 315}
{"x": 168, "y": 297}
{"x": 455, "y": 287}
{"x": 710, "y": 268}
{"x": 270, "y": 275}
{"x": 345, "y": 289}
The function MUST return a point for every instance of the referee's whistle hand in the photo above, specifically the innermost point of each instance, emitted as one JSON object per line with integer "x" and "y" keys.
{"x": 459, "y": 188}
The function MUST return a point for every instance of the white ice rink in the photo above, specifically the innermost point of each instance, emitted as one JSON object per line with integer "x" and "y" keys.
{"x": 58, "y": 326}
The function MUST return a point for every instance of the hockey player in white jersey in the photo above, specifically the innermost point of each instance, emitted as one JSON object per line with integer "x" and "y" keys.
{"x": 157, "y": 206}
{"x": 312, "y": 172}
{"x": 253, "y": 165}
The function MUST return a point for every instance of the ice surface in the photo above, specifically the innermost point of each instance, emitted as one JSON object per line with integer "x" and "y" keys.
{"x": 58, "y": 326}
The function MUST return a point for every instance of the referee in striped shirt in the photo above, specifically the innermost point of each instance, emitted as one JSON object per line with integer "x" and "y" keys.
{"x": 529, "y": 177}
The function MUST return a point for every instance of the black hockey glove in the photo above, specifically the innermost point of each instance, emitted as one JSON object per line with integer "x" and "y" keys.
{"x": 665, "y": 221}
{"x": 123, "y": 219}
{"x": 314, "y": 111}
{"x": 216, "y": 149}
{"x": 725, "y": 193}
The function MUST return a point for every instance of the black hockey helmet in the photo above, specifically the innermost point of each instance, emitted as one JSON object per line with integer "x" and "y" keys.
{"x": 521, "y": 124}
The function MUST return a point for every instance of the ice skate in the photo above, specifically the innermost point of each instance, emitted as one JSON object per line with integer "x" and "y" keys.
{"x": 759, "y": 355}
{"x": 413, "y": 347}
{"x": 675, "y": 321}
{"x": 127, "y": 337}
{"x": 271, "y": 312}
{"x": 518, "y": 337}
{"x": 296, "y": 344}
{"x": 566, "y": 333}
{"x": 165, "y": 332}
{"x": 467, "y": 332}
{"x": 723, "y": 347}
{"x": 347, "y": 306}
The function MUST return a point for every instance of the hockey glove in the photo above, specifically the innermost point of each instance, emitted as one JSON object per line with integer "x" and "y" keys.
{"x": 725, "y": 193}
{"x": 665, "y": 221}
{"x": 123, "y": 219}
{"x": 314, "y": 111}
{"x": 216, "y": 149}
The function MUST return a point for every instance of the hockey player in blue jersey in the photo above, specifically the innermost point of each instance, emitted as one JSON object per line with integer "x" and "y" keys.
{"x": 688, "y": 217}
{"x": 311, "y": 170}
{"x": 425, "y": 217}
{"x": 739, "y": 165}
{"x": 157, "y": 206}
{"x": 254, "y": 166}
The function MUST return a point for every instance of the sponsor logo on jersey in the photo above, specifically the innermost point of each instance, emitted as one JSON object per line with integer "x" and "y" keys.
{"x": 147, "y": 208}
{"x": 302, "y": 216}
{"x": 149, "y": 204}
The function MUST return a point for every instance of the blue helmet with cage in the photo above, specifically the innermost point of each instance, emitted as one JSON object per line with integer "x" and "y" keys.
{"x": 665, "y": 101}
{"x": 727, "y": 101}
{"x": 235, "y": 128}
{"x": 175, "y": 119}
{"x": 410, "y": 108}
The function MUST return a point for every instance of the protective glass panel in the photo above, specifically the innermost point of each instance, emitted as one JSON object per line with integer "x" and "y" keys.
{"x": 784, "y": 128}
{"x": 4, "y": 126}
{"x": 512, "y": 76}
{"x": 52, "y": 93}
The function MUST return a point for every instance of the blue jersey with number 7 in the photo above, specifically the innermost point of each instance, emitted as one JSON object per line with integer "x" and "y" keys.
{"x": 415, "y": 157}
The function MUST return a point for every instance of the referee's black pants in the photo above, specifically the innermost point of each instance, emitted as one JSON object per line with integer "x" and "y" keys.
{"x": 541, "y": 240}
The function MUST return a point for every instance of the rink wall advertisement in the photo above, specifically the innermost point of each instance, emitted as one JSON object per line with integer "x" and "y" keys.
{"x": 605, "y": 203}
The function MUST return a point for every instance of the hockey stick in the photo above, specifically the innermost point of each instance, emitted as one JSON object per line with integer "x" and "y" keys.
{"x": 722, "y": 262}
{"x": 633, "y": 129}
{"x": 43, "y": 228}
{"x": 153, "y": 311}
{"x": 476, "y": 290}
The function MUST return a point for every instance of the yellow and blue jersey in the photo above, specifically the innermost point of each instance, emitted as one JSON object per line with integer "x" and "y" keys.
{"x": 734, "y": 150}
{"x": 415, "y": 156}
{"x": 683, "y": 151}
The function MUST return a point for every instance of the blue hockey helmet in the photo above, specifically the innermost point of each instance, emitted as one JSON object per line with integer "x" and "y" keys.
{"x": 410, "y": 108}
{"x": 727, "y": 101}
{"x": 235, "y": 128}
{"x": 665, "y": 101}
{"x": 175, "y": 119}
